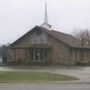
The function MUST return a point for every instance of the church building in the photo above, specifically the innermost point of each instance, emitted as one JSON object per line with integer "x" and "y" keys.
{"x": 43, "y": 45}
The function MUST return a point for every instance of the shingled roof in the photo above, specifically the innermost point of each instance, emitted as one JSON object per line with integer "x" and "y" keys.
{"x": 65, "y": 38}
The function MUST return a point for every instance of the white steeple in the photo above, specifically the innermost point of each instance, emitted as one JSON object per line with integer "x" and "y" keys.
{"x": 45, "y": 16}
{"x": 45, "y": 24}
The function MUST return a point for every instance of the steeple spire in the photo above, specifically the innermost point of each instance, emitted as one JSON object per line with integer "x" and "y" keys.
{"x": 45, "y": 24}
{"x": 45, "y": 16}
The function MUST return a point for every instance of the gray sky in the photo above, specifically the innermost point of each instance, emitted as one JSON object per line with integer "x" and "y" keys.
{"x": 19, "y": 16}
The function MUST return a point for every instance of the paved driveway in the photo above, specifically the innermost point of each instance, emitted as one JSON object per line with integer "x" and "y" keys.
{"x": 81, "y": 72}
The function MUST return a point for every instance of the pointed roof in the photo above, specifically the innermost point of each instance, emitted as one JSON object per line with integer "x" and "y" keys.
{"x": 67, "y": 39}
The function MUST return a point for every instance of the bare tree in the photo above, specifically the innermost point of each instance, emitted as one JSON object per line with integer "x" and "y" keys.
{"x": 82, "y": 35}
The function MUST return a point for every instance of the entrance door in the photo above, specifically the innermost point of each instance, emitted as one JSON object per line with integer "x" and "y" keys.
{"x": 38, "y": 54}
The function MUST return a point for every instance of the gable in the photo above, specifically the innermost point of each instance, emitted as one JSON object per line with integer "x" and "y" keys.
{"x": 35, "y": 36}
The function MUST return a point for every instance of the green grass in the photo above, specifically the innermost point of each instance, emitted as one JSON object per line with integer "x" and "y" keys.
{"x": 26, "y": 76}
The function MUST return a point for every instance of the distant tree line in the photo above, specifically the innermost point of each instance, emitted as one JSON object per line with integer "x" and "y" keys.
{"x": 3, "y": 53}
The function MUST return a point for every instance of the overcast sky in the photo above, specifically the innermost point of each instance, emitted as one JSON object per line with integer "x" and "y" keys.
{"x": 19, "y": 16}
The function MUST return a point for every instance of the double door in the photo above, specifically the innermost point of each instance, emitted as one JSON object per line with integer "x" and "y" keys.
{"x": 38, "y": 54}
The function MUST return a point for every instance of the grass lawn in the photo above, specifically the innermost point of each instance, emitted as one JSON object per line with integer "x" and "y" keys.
{"x": 29, "y": 77}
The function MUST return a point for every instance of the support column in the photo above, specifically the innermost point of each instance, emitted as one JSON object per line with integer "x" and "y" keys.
{"x": 26, "y": 54}
{"x": 15, "y": 54}
{"x": 43, "y": 53}
{"x": 33, "y": 54}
